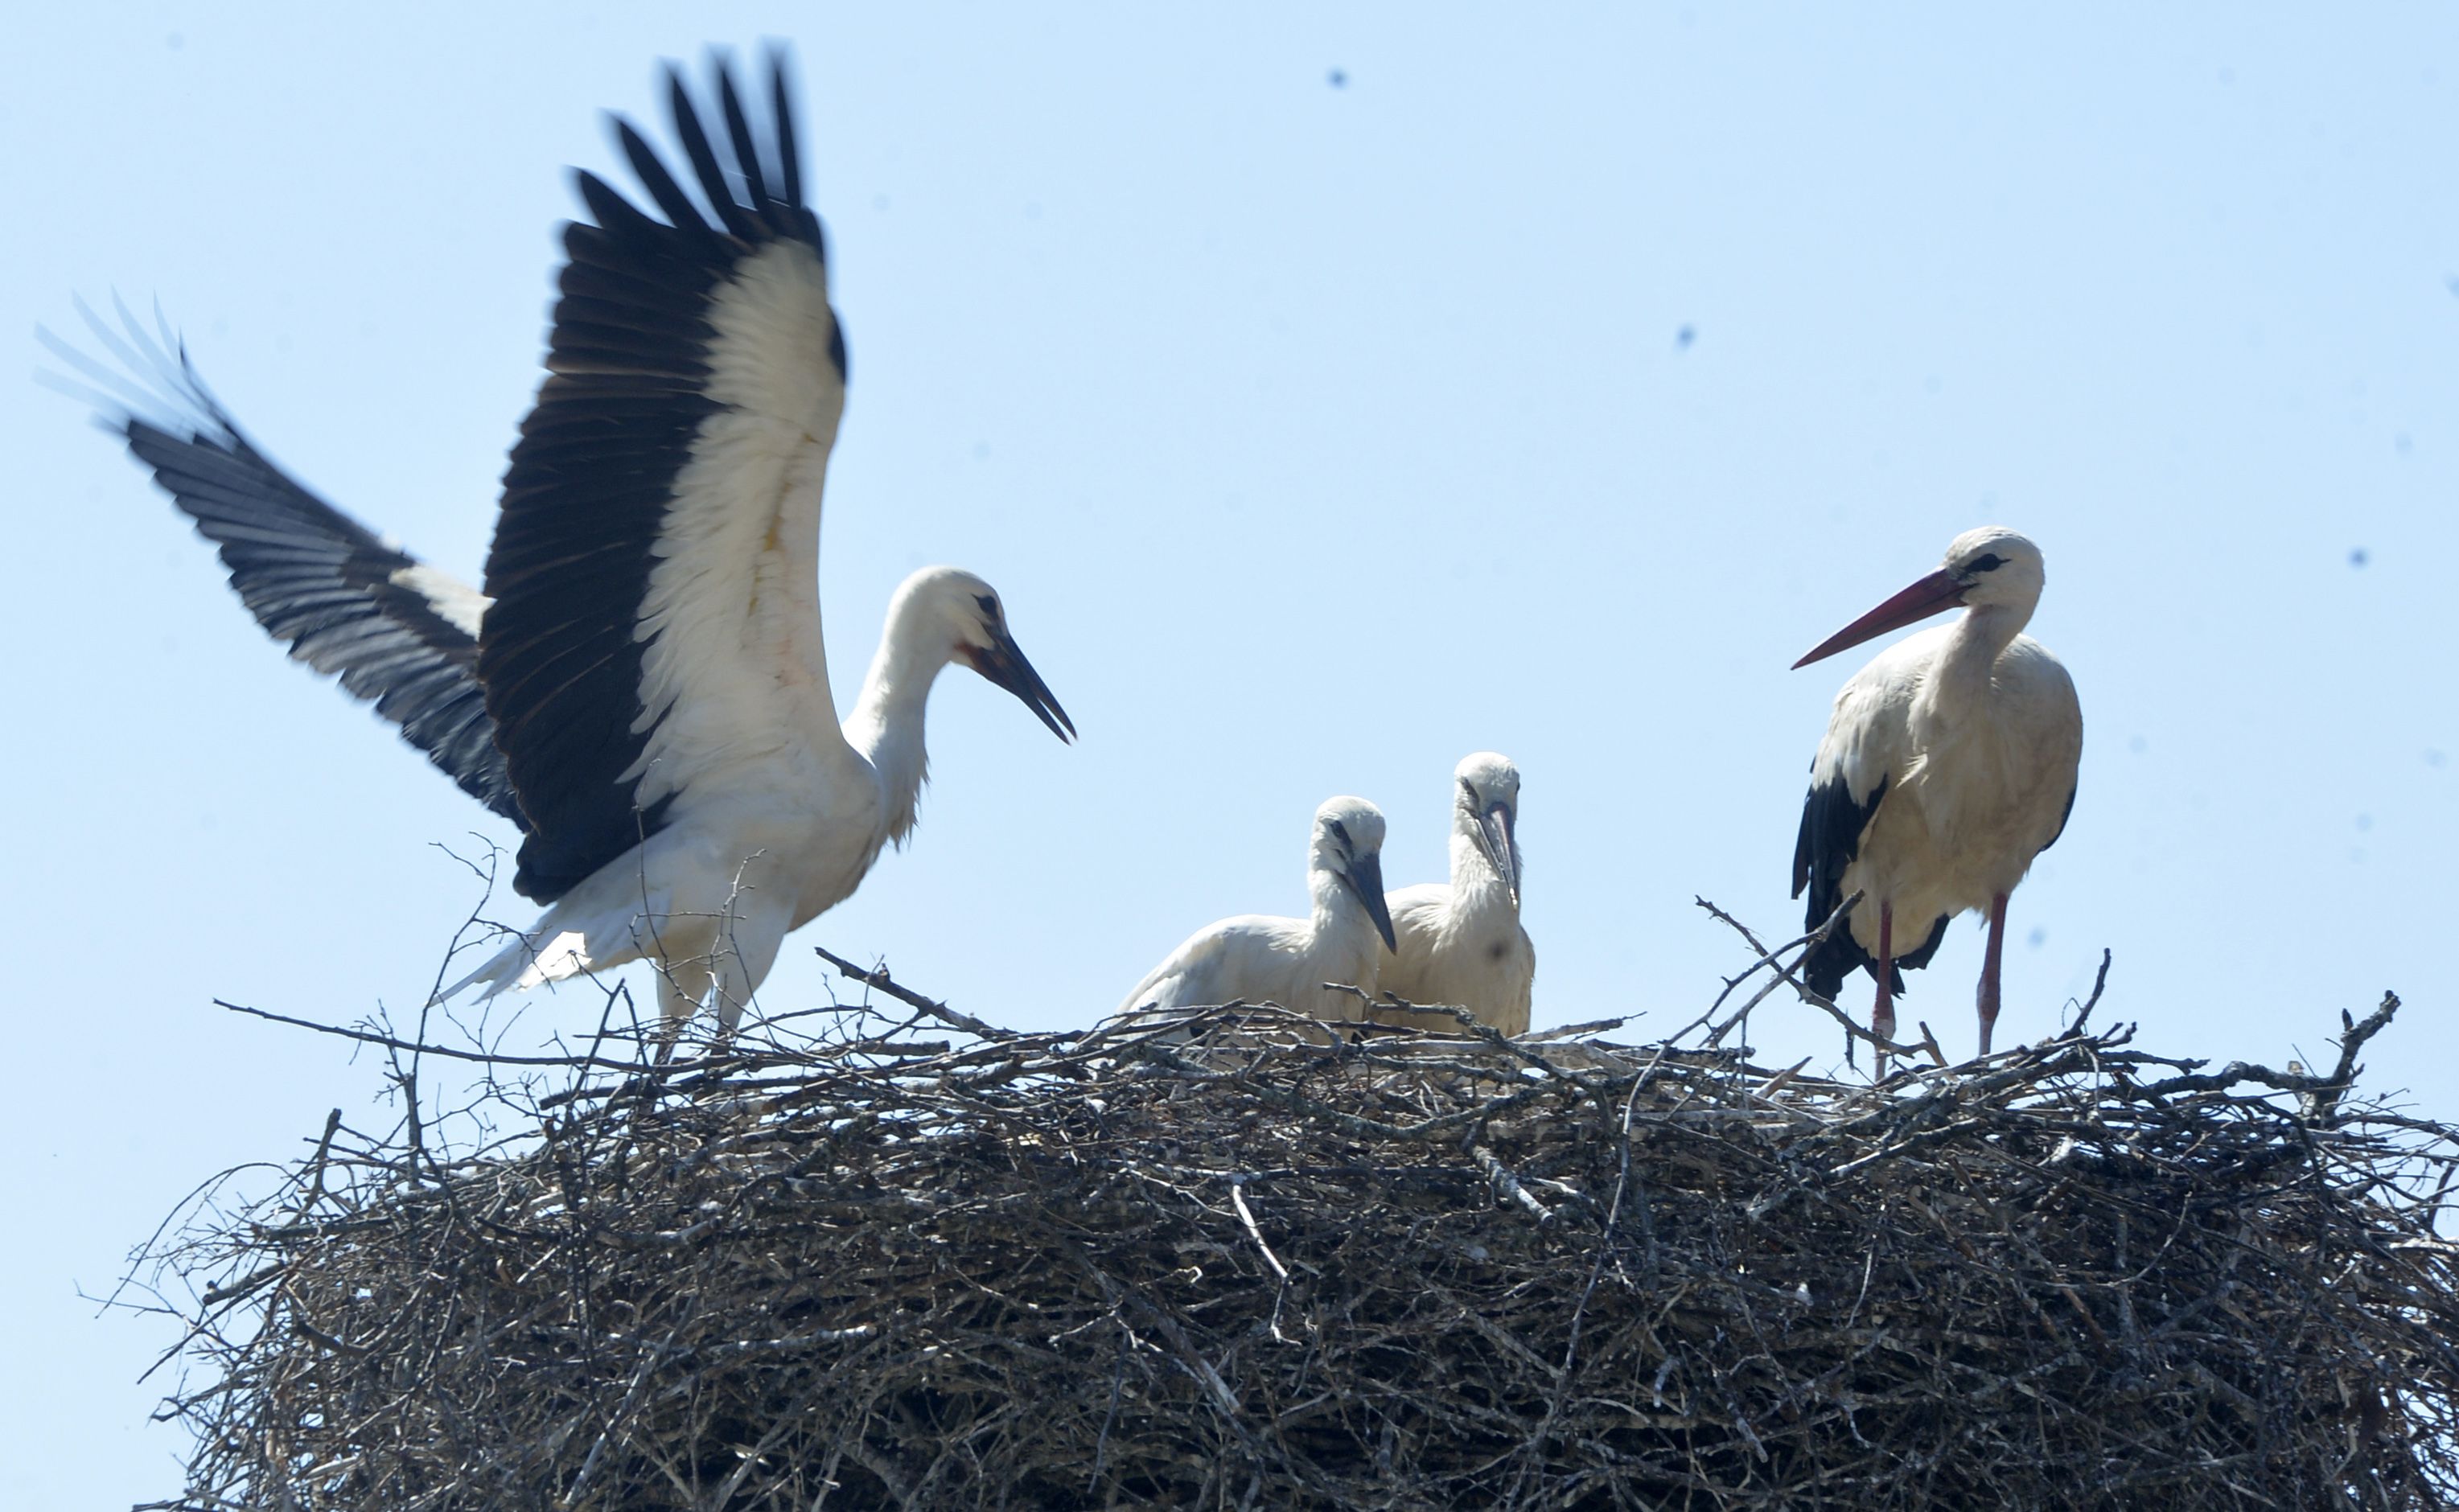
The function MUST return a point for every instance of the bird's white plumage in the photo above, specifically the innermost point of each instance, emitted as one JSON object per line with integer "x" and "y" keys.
{"x": 758, "y": 848}
{"x": 735, "y": 673}
{"x": 1979, "y": 752}
{"x": 710, "y": 358}
{"x": 453, "y": 601}
{"x": 774, "y": 816}
{"x": 1259, "y": 959}
{"x": 1461, "y": 943}
{"x": 1958, "y": 749}
{"x": 643, "y": 687}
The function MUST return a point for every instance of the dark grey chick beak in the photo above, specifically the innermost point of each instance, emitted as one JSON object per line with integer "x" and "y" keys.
{"x": 1003, "y": 665}
{"x": 1494, "y": 837}
{"x": 1364, "y": 877}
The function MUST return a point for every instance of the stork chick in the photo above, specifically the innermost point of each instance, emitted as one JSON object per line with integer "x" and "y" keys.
{"x": 1949, "y": 764}
{"x": 1258, "y": 958}
{"x": 1461, "y": 943}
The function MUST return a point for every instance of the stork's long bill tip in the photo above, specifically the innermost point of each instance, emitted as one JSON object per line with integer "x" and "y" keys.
{"x": 1939, "y": 591}
{"x": 1004, "y": 666}
{"x": 1364, "y": 877}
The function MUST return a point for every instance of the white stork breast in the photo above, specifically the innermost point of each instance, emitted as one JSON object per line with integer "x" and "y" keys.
{"x": 1981, "y": 785}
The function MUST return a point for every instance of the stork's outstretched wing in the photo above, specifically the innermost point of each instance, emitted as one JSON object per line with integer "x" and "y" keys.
{"x": 655, "y": 570}
{"x": 399, "y": 633}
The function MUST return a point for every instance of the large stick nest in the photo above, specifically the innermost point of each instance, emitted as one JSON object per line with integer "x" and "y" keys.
{"x": 1243, "y": 1270}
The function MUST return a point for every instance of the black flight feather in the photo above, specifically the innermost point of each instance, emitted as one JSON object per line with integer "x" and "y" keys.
{"x": 1832, "y": 827}
{"x": 592, "y": 478}
{"x": 323, "y": 583}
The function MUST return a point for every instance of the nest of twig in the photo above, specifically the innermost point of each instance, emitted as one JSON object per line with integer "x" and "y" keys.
{"x": 930, "y": 1264}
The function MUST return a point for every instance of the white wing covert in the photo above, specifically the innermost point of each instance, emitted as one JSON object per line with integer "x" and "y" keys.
{"x": 655, "y": 569}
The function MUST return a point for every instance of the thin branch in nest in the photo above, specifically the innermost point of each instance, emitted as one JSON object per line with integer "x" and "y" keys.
{"x": 2344, "y": 1076}
{"x": 1508, "y": 1184}
{"x": 1477, "y": 1028}
{"x": 1238, "y": 1200}
{"x": 880, "y": 980}
{"x": 1928, "y": 1045}
{"x": 2326, "y": 1089}
{"x": 2099, "y": 984}
{"x": 1806, "y": 943}
{"x": 394, "y": 1042}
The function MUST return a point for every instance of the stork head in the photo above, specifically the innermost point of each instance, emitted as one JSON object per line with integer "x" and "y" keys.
{"x": 1997, "y": 567}
{"x": 1485, "y": 809}
{"x": 1347, "y": 848}
{"x": 956, "y": 614}
{"x": 1990, "y": 568}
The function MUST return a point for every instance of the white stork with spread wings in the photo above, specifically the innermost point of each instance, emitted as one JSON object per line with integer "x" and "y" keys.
{"x": 642, "y": 689}
{"x": 1949, "y": 764}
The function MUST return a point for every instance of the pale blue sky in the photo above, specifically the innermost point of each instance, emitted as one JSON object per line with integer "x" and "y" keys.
{"x": 1316, "y": 437}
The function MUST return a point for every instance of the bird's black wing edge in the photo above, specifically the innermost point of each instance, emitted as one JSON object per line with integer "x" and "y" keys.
{"x": 1832, "y": 825}
{"x": 592, "y": 478}
{"x": 342, "y": 599}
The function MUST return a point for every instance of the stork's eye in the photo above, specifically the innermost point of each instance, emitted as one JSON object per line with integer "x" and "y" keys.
{"x": 989, "y": 603}
{"x": 1340, "y": 832}
{"x": 1987, "y": 561}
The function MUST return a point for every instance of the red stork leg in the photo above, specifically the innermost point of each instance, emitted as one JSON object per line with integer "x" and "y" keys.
{"x": 1882, "y": 1011}
{"x": 1987, "y": 1000}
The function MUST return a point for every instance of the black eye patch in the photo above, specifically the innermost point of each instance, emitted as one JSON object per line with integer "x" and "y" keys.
{"x": 1987, "y": 561}
{"x": 1340, "y": 832}
{"x": 989, "y": 603}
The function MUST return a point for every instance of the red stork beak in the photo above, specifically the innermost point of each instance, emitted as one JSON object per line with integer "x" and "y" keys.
{"x": 1940, "y": 591}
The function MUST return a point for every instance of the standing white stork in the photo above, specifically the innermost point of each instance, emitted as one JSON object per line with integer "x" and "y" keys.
{"x": 1258, "y": 958}
{"x": 642, "y": 689}
{"x": 1461, "y": 944}
{"x": 1949, "y": 764}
